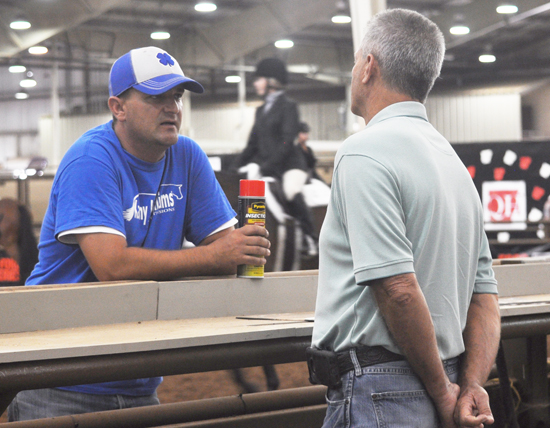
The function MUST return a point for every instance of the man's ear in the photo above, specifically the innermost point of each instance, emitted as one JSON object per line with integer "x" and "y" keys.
{"x": 116, "y": 105}
{"x": 370, "y": 69}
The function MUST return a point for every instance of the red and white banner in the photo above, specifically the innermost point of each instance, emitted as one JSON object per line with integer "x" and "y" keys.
{"x": 504, "y": 205}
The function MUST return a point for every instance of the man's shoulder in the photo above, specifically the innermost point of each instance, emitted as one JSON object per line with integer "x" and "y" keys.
{"x": 370, "y": 140}
{"x": 101, "y": 136}
{"x": 187, "y": 147}
{"x": 187, "y": 156}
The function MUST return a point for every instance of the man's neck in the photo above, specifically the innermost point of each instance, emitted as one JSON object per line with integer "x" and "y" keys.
{"x": 145, "y": 152}
{"x": 380, "y": 99}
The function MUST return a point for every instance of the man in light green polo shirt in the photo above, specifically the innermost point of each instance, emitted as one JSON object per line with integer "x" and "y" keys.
{"x": 406, "y": 286}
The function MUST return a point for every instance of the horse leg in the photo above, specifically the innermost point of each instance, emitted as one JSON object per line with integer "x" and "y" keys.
{"x": 240, "y": 380}
{"x": 271, "y": 378}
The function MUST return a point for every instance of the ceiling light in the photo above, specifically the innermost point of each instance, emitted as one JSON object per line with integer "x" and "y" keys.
{"x": 459, "y": 30}
{"x": 284, "y": 44}
{"x": 507, "y": 8}
{"x": 233, "y": 79}
{"x": 341, "y": 19}
{"x": 38, "y": 50}
{"x": 449, "y": 57}
{"x": 17, "y": 69}
{"x": 487, "y": 58}
{"x": 21, "y": 95}
{"x": 27, "y": 83}
{"x": 160, "y": 35}
{"x": 205, "y": 7}
{"x": 20, "y": 23}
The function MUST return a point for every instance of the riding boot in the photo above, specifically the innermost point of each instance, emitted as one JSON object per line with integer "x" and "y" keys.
{"x": 299, "y": 210}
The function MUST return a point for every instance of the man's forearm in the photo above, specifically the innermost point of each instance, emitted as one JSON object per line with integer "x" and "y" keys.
{"x": 111, "y": 259}
{"x": 481, "y": 339}
{"x": 407, "y": 316}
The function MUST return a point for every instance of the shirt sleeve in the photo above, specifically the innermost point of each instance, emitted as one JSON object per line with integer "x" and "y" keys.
{"x": 88, "y": 194}
{"x": 372, "y": 215}
{"x": 485, "y": 277}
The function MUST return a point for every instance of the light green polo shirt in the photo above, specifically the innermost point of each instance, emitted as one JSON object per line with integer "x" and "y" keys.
{"x": 401, "y": 201}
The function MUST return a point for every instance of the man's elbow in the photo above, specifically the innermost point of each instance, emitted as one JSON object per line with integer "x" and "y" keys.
{"x": 400, "y": 289}
{"x": 110, "y": 273}
{"x": 106, "y": 277}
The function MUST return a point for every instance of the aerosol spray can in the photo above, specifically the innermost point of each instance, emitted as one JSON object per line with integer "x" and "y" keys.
{"x": 251, "y": 210}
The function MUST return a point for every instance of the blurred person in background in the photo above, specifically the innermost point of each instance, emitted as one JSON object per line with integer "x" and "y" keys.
{"x": 271, "y": 150}
{"x": 18, "y": 246}
{"x": 309, "y": 156}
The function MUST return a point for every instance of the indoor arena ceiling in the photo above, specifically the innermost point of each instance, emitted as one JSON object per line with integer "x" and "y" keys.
{"x": 91, "y": 33}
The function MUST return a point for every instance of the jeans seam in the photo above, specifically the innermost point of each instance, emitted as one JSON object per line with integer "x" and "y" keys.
{"x": 347, "y": 400}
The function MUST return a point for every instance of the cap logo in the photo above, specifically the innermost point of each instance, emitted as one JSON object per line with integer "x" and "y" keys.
{"x": 165, "y": 59}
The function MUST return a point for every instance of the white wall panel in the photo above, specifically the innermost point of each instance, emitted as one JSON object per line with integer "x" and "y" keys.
{"x": 460, "y": 118}
{"x": 8, "y": 147}
{"x": 224, "y": 128}
{"x": 538, "y": 98}
{"x": 71, "y": 128}
{"x": 465, "y": 118}
{"x": 22, "y": 115}
{"x": 325, "y": 120}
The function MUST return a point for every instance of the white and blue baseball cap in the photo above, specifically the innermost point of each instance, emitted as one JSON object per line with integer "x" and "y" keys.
{"x": 149, "y": 70}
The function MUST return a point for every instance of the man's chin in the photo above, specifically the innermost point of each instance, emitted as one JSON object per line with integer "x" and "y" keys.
{"x": 168, "y": 140}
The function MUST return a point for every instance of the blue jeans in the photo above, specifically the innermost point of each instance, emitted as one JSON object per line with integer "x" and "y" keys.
{"x": 387, "y": 395}
{"x": 51, "y": 402}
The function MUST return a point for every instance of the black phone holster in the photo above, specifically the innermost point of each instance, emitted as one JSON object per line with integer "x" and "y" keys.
{"x": 323, "y": 367}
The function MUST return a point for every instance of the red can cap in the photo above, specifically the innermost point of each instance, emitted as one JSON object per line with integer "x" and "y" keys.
{"x": 252, "y": 188}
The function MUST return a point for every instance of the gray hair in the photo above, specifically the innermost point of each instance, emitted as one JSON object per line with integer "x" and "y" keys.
{"x": 409, "y": 49}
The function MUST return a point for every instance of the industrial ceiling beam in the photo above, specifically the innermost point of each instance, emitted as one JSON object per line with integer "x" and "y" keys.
{"x": 482, "y": 19}
{"x": 252, "y": 29}
{"x": 48, "y": 19}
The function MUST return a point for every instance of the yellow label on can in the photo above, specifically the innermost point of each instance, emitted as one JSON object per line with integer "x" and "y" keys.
{"x": 251, "y": 211}
{"x": 250, "y": 271}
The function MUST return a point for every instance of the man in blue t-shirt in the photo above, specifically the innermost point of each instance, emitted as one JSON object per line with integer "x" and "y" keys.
{"x": 124, "y": 198}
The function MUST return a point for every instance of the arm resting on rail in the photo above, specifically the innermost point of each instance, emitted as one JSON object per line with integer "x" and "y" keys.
{"x": 219, "y": 254}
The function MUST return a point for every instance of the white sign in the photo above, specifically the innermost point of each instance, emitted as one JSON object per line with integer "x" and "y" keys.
{"x": 504, "y": 205}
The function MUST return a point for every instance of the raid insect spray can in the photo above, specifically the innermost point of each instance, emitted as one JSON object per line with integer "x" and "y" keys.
{"x": 251, "y": 210}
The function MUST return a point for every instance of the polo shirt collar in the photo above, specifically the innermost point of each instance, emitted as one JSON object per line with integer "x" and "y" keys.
{"x": 412, "y": 109}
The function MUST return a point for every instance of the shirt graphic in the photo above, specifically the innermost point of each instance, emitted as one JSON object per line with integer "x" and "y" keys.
{"x": 142, "y": 204}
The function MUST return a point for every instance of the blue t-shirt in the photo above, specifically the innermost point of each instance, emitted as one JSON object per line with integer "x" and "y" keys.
{"x": 98, "y": 183}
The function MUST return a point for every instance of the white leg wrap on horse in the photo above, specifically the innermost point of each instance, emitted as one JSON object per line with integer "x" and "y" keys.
{"x": 293, "y": 182}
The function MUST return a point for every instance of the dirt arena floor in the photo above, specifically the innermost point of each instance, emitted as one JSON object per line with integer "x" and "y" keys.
{"x": 220, "y": 384}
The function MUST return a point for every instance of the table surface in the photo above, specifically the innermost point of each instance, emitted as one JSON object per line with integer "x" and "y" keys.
{"x": 170, "y": 334}
{"x": 150, "y": 335}
{"x": 162, "y": 327}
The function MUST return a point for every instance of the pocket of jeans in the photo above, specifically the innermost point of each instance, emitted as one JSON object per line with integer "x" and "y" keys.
{"x": 337, "y": 415}
{"x": 400, "y": 409}
{"x": 335, "y": 397}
